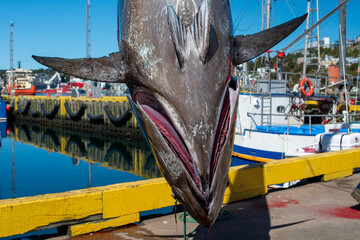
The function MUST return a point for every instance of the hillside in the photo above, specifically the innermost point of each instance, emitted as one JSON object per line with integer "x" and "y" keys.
{"x": 290, "y": 62}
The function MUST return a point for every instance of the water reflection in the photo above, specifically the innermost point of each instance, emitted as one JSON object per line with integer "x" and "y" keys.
{"x": 34, "y": 154}
{"x": 2, "y": 130}
{"x": 130, "y": 155}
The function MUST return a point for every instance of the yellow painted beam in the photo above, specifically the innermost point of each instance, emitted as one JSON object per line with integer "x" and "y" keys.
{"x": 287, "y": 170}
{"x": 62, "y": 101}
{"x": 90, "y": 227}
{"x": 336, "y": 175}
{"x": 136, "y": 197}
{"x": 105, "y": 99}
{"x": 245, "y": 182}
{"x": 18, "y": 216}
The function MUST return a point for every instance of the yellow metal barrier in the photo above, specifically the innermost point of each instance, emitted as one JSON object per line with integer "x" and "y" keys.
{"x": 120, "y": 204}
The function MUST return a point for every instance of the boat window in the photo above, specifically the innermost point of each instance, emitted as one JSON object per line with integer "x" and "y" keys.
{"x": 280, "y": 109}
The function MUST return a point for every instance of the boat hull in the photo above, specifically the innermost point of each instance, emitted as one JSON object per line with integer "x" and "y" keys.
{"x": 23, "y": 91}
{"x": 269, "y": 145}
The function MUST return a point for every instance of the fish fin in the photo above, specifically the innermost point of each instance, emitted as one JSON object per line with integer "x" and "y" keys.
{"x": 248, "y": 47}
{"x": 105, "y": 69}
{"x": 200, "y": 29}
{"x": 178, "y": 34}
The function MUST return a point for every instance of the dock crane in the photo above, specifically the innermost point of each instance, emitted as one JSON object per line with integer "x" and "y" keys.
{"x": 52, "y": 79}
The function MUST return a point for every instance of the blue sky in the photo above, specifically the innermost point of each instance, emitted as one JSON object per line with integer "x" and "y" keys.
{"x": 57, "y": 27}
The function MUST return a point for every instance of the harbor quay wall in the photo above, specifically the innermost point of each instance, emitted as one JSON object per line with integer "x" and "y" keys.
{"x": 110, "y": 115}
{"x": 94, "y": 209}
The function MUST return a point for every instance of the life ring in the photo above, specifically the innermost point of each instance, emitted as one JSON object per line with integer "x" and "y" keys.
{"x": 302, "y": 83}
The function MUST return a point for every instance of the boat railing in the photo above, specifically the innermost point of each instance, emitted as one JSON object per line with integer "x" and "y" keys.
{"x": 345, "y": 117}
{"x": 281, "y": 81}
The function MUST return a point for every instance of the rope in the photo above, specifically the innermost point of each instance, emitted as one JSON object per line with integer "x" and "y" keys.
{"x": 185, "y": 217}
{"x": 236, "y": 26}
{"x": 224, "y": 214}
{"x": 291, "y": 9}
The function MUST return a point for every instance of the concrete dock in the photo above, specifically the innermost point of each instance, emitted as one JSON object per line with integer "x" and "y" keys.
{"x": 319, "y": 210}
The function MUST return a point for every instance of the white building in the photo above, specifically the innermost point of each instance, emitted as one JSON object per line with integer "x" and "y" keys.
{"x": 326, "y": 42}
{"x": 22, "y": 78}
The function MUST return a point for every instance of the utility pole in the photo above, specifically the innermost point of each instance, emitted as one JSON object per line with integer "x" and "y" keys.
{"x": 11, "y": 58}
{"x": 342, "y": 40}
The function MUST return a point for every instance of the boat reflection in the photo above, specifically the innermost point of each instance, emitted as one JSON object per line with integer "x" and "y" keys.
{"x": 125, "y": 154}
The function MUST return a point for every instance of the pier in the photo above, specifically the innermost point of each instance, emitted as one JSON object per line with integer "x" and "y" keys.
{"x": 93, "y": 209}
{"x": 110, "y": 115}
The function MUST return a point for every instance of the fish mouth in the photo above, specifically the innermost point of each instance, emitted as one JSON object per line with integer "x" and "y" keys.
{"x": 156, "y": 112}
{"x": 158, "y": 115}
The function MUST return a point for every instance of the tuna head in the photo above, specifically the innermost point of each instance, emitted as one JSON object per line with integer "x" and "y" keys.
{"x": 176, "y": 57}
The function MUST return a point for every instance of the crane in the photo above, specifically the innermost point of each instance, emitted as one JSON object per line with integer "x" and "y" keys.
{"x": 52, "y": 79}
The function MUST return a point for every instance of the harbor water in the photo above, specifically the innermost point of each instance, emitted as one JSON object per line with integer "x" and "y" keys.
{"x": 37, "y": 159}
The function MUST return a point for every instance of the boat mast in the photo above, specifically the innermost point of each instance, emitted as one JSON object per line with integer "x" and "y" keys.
{"x": 315, "y": 25}
{"x": 342, "y": 40}
{"x": 342, "y": 53}
{"x": 11, "y": 58}
{"x": 262, "y": 14}
{"x": 267, "y": 55}
{"x": 312, "y": 44}
{"x": 88, "y": 31}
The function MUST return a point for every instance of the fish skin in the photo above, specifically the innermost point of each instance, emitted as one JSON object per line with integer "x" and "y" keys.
{"x": 176, "y": 57}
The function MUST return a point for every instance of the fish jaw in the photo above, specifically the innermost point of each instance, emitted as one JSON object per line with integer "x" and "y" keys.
{"x": 199, "y": 190}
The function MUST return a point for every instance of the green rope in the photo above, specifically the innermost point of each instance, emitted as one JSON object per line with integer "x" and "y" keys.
{"x": 224, "y": 214}
{"x": 185, "y": 217}
{"x": 185, "y": 236}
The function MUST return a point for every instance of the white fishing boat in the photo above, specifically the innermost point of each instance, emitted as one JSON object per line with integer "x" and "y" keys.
{"x": 335, "y": 138}
{"x": 270, "y": 124}
{"x": 274, "y": 119}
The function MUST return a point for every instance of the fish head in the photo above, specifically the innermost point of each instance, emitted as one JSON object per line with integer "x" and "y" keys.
{"x": 177, "y": 58}
{"x": 185, "y": 100}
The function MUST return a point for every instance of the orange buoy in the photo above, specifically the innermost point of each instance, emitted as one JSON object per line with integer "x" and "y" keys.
{"x": 302, "y": 83}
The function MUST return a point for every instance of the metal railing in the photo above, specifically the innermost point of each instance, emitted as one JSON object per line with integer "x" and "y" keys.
{"x": 250, "y": 79}
{"x": 303, "y": 116}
